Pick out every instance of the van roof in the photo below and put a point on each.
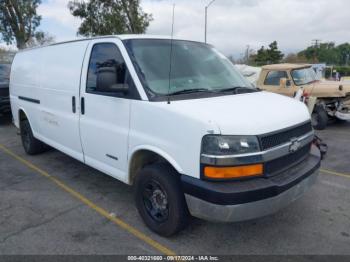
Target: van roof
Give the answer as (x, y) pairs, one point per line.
(285, 66)
(121, 37)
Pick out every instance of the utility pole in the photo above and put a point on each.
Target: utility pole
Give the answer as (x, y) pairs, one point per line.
(247, 54)
(206, 20)
(316, 43)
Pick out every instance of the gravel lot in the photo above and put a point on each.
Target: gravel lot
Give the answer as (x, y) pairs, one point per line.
(40, 216)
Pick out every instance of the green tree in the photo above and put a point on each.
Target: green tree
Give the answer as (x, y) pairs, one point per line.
(270, 55)
(108, 17)
(18, 21)
(344, 54)
(328, 53)
(41, 38)
(274, 55)
(261, 56)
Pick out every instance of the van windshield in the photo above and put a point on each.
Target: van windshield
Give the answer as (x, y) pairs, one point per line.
(194, 67)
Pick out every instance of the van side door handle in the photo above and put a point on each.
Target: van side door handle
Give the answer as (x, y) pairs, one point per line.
(74, 106)
(82, 106)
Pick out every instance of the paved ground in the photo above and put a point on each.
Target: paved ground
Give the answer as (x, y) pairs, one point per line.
(37, 216)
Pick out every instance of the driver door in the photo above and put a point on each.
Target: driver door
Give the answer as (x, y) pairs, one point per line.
(104, 120)
(272, 83)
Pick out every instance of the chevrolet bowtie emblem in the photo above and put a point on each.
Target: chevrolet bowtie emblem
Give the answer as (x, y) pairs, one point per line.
(295, 145)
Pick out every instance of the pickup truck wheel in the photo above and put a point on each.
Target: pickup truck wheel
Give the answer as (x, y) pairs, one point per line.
(160, 200)
(31, 145)
(319, 118)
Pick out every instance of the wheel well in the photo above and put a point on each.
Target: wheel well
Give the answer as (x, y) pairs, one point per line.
(141, 159)
(22, 115)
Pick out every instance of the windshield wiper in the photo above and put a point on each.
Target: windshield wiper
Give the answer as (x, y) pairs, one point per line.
(189, 91)
(237, 89)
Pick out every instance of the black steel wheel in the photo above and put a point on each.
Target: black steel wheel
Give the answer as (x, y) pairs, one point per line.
(156, 201)
(160, 200)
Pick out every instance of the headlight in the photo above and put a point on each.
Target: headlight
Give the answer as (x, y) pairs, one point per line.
(218, 145)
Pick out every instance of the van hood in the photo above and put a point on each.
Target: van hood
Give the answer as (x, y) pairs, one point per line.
(328, 89)
(244, 114)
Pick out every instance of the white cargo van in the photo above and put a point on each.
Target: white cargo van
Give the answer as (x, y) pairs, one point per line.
(171, 117)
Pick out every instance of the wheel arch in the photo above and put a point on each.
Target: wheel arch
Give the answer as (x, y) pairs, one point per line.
(22, 115)
(144, 155)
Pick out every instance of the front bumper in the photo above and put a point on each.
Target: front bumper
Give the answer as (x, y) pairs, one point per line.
(342, 116)
(244, 200)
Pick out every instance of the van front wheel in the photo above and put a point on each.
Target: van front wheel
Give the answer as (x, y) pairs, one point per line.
(160, 200)
(31, 145)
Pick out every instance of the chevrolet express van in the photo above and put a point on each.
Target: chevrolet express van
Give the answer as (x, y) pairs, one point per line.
(174, 119)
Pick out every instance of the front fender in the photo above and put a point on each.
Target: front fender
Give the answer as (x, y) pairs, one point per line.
(159, 152)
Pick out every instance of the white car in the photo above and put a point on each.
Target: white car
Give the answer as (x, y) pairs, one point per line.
(173, 118)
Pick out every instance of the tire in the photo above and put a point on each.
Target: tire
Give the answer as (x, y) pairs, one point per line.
(319, 118)
(160, 200)
(31, 145)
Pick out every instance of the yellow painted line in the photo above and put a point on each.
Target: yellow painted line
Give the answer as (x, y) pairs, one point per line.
(101, 211)
(330, 172)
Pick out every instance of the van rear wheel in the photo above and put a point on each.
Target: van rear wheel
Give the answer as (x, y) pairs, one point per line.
(160, 200)
(31, 145)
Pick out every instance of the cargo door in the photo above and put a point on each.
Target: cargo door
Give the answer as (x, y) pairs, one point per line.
(59, 94)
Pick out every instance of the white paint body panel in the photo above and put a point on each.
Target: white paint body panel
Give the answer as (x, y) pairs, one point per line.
(121, 127)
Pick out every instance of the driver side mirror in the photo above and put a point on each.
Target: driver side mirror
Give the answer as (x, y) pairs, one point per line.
(284, 82)
(107, 81)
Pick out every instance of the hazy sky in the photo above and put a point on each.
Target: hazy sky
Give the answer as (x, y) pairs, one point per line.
(232, 24)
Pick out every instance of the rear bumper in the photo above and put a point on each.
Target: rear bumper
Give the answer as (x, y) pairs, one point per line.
(243, 200)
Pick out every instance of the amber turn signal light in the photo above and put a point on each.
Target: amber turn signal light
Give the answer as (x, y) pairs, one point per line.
(233, 172)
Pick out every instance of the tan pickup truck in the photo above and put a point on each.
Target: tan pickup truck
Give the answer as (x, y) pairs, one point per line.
(332, 98)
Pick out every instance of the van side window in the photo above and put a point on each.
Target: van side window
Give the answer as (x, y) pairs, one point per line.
(106, 61)
(273, 78)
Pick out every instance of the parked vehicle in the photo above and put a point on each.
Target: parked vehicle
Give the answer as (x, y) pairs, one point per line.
(332, 98)
(251, 73)
(4, 89)
(174, 119)
(345, 79)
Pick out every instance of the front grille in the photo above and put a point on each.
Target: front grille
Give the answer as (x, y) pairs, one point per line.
(280, 164)
(281, 137)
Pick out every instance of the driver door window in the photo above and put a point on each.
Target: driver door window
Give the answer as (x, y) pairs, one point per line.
(107, 62)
